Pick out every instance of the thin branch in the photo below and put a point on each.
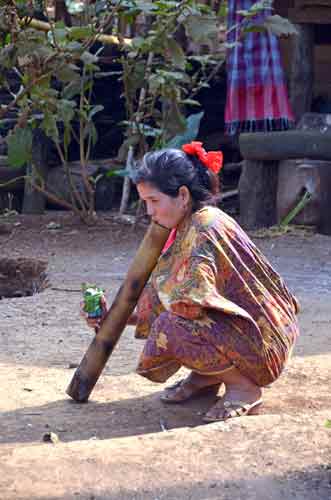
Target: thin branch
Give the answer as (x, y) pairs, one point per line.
(86, 181)
(74, 193)
(126, 183)
(53, 198)
(98, 36)
(5, 184)
(208, 79)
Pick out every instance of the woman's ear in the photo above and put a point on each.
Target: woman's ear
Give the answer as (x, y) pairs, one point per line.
(185, 195)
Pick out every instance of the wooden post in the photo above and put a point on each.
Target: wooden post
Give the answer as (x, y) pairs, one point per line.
(258, 194)
(302, 74)
(324, 226)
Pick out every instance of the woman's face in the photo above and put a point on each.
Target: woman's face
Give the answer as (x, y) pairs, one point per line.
(163, 209)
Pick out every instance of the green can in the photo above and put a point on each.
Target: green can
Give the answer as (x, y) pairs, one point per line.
(92, 300)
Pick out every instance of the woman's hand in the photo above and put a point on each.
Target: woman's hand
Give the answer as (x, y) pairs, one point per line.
(95, 323)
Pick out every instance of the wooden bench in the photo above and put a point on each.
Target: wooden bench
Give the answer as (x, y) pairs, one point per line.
(258, 184)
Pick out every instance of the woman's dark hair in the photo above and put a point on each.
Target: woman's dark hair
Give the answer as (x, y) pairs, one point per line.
(169, 169)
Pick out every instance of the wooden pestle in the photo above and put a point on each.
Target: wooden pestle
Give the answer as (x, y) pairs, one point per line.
(122, 307)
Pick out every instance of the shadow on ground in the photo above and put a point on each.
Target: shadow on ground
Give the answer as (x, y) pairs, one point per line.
(310, 484)
(134, 416)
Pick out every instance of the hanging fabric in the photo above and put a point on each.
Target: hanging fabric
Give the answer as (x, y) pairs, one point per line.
(257, 97)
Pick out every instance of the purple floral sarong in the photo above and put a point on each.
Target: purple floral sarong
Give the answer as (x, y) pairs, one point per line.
(214, 302)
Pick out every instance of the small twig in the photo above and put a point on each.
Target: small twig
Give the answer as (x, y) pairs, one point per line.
(76, 201)
(53, 198)
(229, 194)
(82, 153)
(58, 289)
(106, 39)
(12, 181)
(126, 183)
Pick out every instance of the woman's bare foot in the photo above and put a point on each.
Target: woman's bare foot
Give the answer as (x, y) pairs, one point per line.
(190, 387)
(242, 397)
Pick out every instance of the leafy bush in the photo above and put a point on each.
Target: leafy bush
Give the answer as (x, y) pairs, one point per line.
(57, 65)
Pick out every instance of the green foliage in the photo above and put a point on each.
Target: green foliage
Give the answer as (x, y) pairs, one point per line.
(159, 77)
(37, 57)
(75, 7)
(176, 53)
(19, 147)
(256, 8)
(192, 125)
(57, 70)
(190, 134)
(274, 24)
(223, 9)
(201, 28)
(279, 26)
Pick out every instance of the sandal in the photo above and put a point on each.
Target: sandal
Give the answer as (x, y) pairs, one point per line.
(234, 409)
(183, 390)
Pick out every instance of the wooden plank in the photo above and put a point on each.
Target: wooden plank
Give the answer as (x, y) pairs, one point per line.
(312, 3)
(282, 8)
(282, 145)
(302, 70)
(322, 80)
(316, 15)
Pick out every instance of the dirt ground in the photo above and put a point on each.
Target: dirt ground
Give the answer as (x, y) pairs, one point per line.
(125, 444)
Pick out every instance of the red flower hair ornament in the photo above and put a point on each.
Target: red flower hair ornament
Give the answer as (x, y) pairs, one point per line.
(213, 160)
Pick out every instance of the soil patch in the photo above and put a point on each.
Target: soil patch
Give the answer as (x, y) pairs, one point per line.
(125, 444)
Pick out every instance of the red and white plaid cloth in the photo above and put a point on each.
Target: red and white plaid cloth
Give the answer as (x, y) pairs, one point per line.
(257, 98)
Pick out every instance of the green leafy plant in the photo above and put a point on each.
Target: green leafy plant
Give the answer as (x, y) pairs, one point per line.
(274, 24)
(162, 67)
(190, 133)
(56, 68)
(160, 76)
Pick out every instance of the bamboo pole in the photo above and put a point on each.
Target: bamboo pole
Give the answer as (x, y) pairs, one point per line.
(105, 39)
(123, 305)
